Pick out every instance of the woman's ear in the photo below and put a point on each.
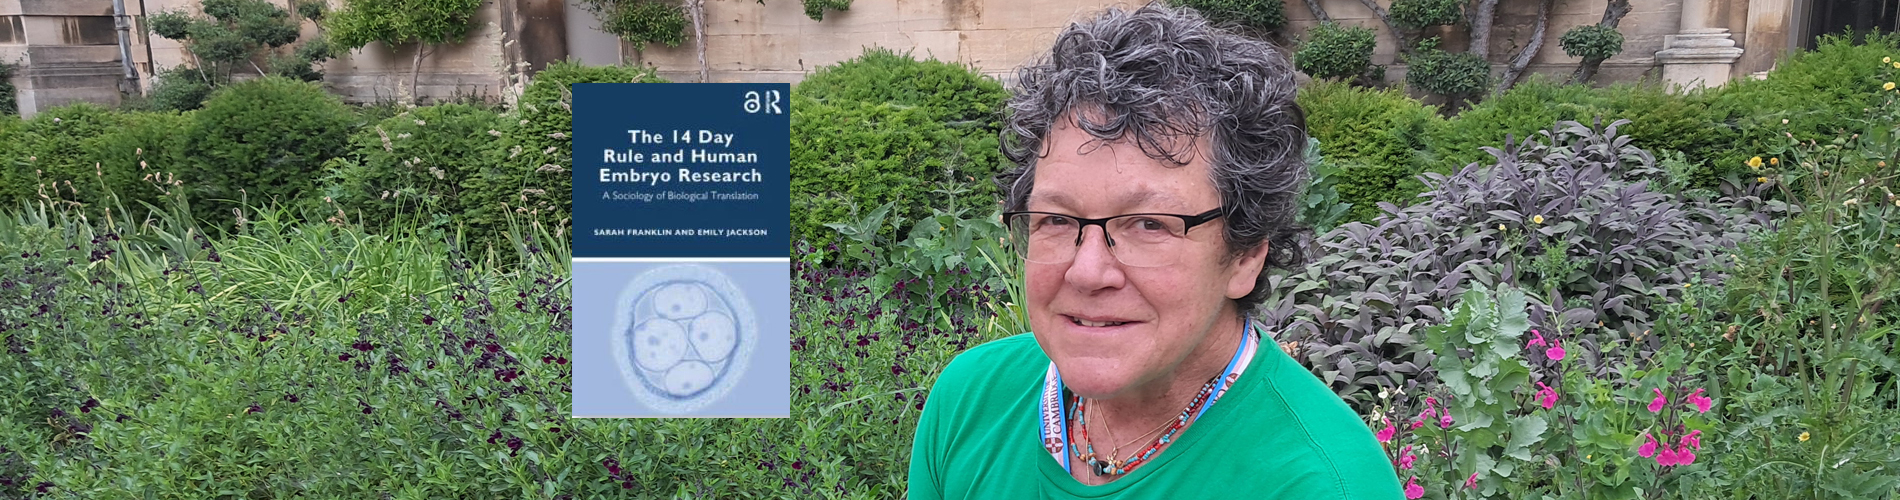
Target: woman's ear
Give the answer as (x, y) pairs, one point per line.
(1246, 271)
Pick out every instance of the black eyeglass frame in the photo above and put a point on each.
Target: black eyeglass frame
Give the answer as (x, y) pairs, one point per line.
(1190, 221)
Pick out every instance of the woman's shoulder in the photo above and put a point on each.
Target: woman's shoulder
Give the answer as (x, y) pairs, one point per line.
(1009, 358)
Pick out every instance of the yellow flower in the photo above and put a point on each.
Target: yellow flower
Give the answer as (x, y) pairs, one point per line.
(1804, 436)
(1537, 219)
(1774, 161)
(1754, 162)
(1501, 226)
(1761, 179)
(1896, 65)
(1888, 86)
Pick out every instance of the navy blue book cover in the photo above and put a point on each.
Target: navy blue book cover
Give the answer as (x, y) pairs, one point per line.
(681, 239)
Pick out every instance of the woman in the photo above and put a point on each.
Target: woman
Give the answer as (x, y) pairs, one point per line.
(1157, 164)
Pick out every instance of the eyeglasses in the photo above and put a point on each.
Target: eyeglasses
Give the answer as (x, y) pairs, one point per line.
(1136, 240)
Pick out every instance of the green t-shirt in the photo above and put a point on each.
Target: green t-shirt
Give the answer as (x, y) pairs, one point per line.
(1278, 433)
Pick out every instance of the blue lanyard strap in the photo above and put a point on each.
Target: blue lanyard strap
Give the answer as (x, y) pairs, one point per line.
(1054, 431)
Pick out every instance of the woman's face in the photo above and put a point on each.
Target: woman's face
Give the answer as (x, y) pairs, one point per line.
(1110, 327)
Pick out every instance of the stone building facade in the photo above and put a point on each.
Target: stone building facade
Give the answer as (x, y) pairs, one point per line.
(69, 50)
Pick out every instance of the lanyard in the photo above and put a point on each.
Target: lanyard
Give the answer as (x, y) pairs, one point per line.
(1055, 408)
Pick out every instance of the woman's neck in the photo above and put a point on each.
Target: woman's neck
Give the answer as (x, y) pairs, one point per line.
(1126, 416)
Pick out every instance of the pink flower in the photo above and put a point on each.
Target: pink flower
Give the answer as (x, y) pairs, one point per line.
(1648, 448)
(1472, 482)
(1538, 341)
(1546, 396)
(1692, 439)
(1555, 352)
(1444, 422)
(1418, 423)
(1385, 435)
(1702, 403)
(1405, 461)
(1657, 404)
(1685, 457)
(1666, 458)
(1412, 490)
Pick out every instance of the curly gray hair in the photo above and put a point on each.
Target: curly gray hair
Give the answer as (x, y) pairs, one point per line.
(1161, 74)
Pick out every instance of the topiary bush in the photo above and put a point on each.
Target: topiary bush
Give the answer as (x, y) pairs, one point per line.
(1416, 14)
(1336, 52)
(1592, 41)
(1375, 138)
(1251, 15)
(1447, 73)
(408, 170)
(884, 128)
(143, 152)
(527, 176)
(1559, 216)
(640, 21)
(261, 141)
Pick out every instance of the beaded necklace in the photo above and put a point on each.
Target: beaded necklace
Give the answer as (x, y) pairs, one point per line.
(1055, 408)
(1115, 467)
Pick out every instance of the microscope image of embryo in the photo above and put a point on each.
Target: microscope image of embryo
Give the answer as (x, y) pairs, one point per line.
(683, 334)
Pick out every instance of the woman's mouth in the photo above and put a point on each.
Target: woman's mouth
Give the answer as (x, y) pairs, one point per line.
(1095, 324)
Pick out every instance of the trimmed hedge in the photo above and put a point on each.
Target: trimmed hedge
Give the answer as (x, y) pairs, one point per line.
(259, 142)
(1377, 138)
(409, 169)
(883, 128)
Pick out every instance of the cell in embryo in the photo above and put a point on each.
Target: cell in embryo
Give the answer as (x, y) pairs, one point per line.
(685, 333)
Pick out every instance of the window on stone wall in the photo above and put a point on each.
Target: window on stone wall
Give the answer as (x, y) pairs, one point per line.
(12, 32)
(88, 30)
(1858, 17)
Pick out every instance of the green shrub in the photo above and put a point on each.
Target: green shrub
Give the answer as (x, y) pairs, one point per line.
(1818, 93)
(143, 144)
(261, 141)
(1254, 15)
(409, 170)
(1374, 138)
(948, 91)
(182, 89)
(1415, 14)
(527, 176)
(1592, 41)
(885, 128)
(9, 96)
(1334, 51)
(51, 149)
(1447, 73)
(640, 21)
(1532, 105)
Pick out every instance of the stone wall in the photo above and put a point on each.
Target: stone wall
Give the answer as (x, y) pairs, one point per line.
(775, 42)
(66, 50)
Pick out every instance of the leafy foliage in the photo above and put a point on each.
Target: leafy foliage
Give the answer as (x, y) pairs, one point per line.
(1416, 14)
(398, 22)
(1353, 312)
(9, 95)
(641, 21)
(1592, 41)
(815, 9)
(1447, 73)
(261, 141)
(1375, 139)
(527, 178)
(1320, 207)
(234, 32)
(1334, 51)
(1256, 16)
(1818, 93)
(182, 89)
(883, 128)
(409, 170)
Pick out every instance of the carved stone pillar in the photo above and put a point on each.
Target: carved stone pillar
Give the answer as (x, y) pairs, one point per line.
(1699, 54)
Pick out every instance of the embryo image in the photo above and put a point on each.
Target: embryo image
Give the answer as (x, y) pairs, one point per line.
(682, 336)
